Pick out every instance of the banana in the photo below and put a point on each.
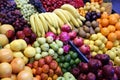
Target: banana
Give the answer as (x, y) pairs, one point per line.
(43, 22)
(52, 28)
(82, 18)
(60, 22)
(71, 9)
(73, 19)
(80, 22)
(32, 18)
(71, 24)
(58, 30)
(39, 25)
(59, 13)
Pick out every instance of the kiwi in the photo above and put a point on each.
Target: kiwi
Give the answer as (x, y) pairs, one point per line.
(88, 23)
(94, 24)
(86, 29)
(82, 33)
(97, 29)
(92, 30)
(87, 35)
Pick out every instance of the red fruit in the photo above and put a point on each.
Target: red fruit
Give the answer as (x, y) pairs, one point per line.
(53, 65)
(82, 77)
(30, 65)
(10, 33)
(48, 59)
(76, 72)
(45, 68)
(66, 28)
(38, 71)
(78, 41)
(44, 76)
(85, 49)
(72, 34)
(27, 31)
(58, 71)
(35, 64)
(91, 76)
(83, 67)
(51, 72)
(20, 35)
(41, 62)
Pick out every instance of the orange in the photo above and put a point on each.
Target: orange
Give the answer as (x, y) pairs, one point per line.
(104, 22)
(99, 20)
(116, 15)
(111, 28)
(55, 76)
(112, 36)
(112, 19)
(100, 26)
(117, 25)
(118, 34)
(109, 45)
(105, 31)
(104, 15)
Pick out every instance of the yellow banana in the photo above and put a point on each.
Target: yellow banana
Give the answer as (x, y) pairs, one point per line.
(82, 18)
(32, 22)
(45, 26)
(71, 9)
(40, 26)
(72, 24)
(73, 19)
(59, 13)
(80, 22)
(58, 30)
(52, 28)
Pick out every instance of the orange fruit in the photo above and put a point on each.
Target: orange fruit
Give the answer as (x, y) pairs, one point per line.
(55, 76)
(104, 22)
(118, 34)
(117, 25)
(105, 31)
(104, 15)
(112, 19)
(111, 28)
(100, 26)
(45, 68)
(116, 15)
(112, 36)
(109, 45)
(99, 20)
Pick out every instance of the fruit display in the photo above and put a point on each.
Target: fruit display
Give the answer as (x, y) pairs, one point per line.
(45, 69)
(53, 21)
(68, 61)
(98, 68)
(88, 7)
(58, 40)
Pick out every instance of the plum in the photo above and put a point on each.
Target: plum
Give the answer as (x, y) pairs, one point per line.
(100, 74)
(82, 77)
(91, 76)
(108, 71)
(117, 71)
(83, 67)
(75, 72)
(105, 59)
(115, 77)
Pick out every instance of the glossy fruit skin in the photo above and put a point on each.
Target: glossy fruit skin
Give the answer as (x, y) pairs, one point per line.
(78, 41)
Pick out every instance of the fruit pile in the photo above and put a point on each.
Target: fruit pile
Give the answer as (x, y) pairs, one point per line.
(63, 44)
(99, 67)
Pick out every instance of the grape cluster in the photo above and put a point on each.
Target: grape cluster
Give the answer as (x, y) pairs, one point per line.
(38, 5)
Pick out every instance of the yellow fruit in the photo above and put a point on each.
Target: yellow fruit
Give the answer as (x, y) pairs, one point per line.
(94, 54)
(3, 40)
(15, 45)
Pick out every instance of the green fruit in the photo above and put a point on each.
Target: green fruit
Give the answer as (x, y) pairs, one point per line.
(60, 51)
(72, 62)
(59, 43)
(74, 66)
(38, 50)
(51, 52)
(44, 54)
(45, 47)
(68, 58)
(68, 76)
(62, 58)
(71, 52)
(58, 60)
(38, 56)
(61, 64)
(60, 78)
(54, 46)
(55, 56)
(49, 39)
(74, 55)
(69, 68)
(36, 44)
(66, 65)
(64, 70)
(41, 40)
(77, 61)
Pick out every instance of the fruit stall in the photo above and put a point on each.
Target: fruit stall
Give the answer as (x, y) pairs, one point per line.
(59, 40)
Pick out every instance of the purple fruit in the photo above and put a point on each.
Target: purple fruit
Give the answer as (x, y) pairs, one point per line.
(117, 71)
(91, 76)
(105, 59)
(75, 72)
(115, 77)
(82, 77)
(100, 74)
(83, 67)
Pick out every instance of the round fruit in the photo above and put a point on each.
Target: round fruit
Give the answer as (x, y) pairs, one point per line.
(111, 28)
(117, 25)
(112, 36)
(118, 34)
(105, 31)
(109, 45)
(104, 22)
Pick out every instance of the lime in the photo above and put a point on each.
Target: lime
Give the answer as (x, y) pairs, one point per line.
(74, 55)
(58, 60)
(62, 59)
(77, 61)
(71, 52)
(66, 65)
(64, 70)
(61, 64)
(72, 62)
(69, 68)
(68, 58)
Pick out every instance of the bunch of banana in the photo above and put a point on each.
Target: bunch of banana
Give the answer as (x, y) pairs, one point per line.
(53, 21)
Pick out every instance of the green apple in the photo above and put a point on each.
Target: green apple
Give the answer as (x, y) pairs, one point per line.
(51, 52)
(60, 51)
(45, 47)
(102, 46)
(59, 43)
(43, 54)
(49, 39)
(41, 40)
(96, 48)
(117, 61)
(116, 43)
(38, 56)
(36, 44)
(38, 50)
(93, 37)
(111, 54)
(86, 41)
(94, 54)
(98, 42)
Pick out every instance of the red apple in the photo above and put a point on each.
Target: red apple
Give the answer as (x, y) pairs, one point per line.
(27, 31)
(72, 34)
(85, 49)
(20, 35)
(10, 33)
(41, 62)
(78, 41)
(66, 28)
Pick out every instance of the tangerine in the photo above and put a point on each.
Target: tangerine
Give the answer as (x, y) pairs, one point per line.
(109, 45)
(111, 28)
(118, 34)
(117, 25)
(112, 36)
(104, 15)
(116, 15)
(104, 22)
(112, 19)
(105, 31)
